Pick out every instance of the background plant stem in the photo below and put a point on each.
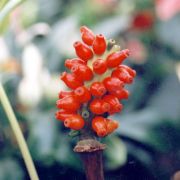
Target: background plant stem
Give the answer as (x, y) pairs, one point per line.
(18, 134)
(8, 7)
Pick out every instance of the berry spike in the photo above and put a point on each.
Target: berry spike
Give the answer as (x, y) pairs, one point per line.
(96, 83)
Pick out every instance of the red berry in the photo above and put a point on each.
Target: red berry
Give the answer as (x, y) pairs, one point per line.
(87, 35)
(99, 66)
(115, 105)
(111, 125)
(68, 103)
(143, 20)
(121, 94)
(71, 80)
(123, 75)
(75, 122)
(99, 44)
(128, 69)
(116, 58)
(70, 62)
(62, 114)
(97, 89)
(63, 94)
(83, 51)
(98, 106)
(82, 72)
(99, 126)
(82, 93)
(113, 84)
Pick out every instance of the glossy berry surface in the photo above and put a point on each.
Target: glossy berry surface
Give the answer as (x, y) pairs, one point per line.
(97, 81)
(99, 44)
(97, 89)
(99, 66)
(87, 35)
(75, 122)
(99, 126)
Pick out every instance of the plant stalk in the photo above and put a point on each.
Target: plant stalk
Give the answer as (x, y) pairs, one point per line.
(93, 165)
(90, 151)
(18, 134)
(8, 7)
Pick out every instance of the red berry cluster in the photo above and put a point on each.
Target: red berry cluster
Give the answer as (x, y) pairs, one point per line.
(96, 79)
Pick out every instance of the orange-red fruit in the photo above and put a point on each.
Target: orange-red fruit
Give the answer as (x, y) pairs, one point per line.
(128, 69)
(68, 103)
(70, 62)
(116, 58)
(99, 44)
(87, 35)
(97, 89)
(83, 51)
(99, 66)
(82, 72)
(115, 105)
(99, 126)
(143, 20)
(121, 94)
(98, 106)
(71, 80)
(62, 114)
(82, 93)
(111, 125)
(123, 75)
(75, 122)
(63, 94)
(113, 84)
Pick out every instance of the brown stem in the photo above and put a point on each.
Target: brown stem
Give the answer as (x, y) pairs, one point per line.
(90, 151)
(93, 165)
(91, 154)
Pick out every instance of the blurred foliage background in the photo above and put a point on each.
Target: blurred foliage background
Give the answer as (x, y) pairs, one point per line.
(36, 38)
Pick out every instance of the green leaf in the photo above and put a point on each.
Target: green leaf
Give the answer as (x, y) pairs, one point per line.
(116, 152)
(10, 169)
(136, 125)
(8, 8)
(64, 154)
(42, 136)
(74, 133)
(3, 3)
(4, 24)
